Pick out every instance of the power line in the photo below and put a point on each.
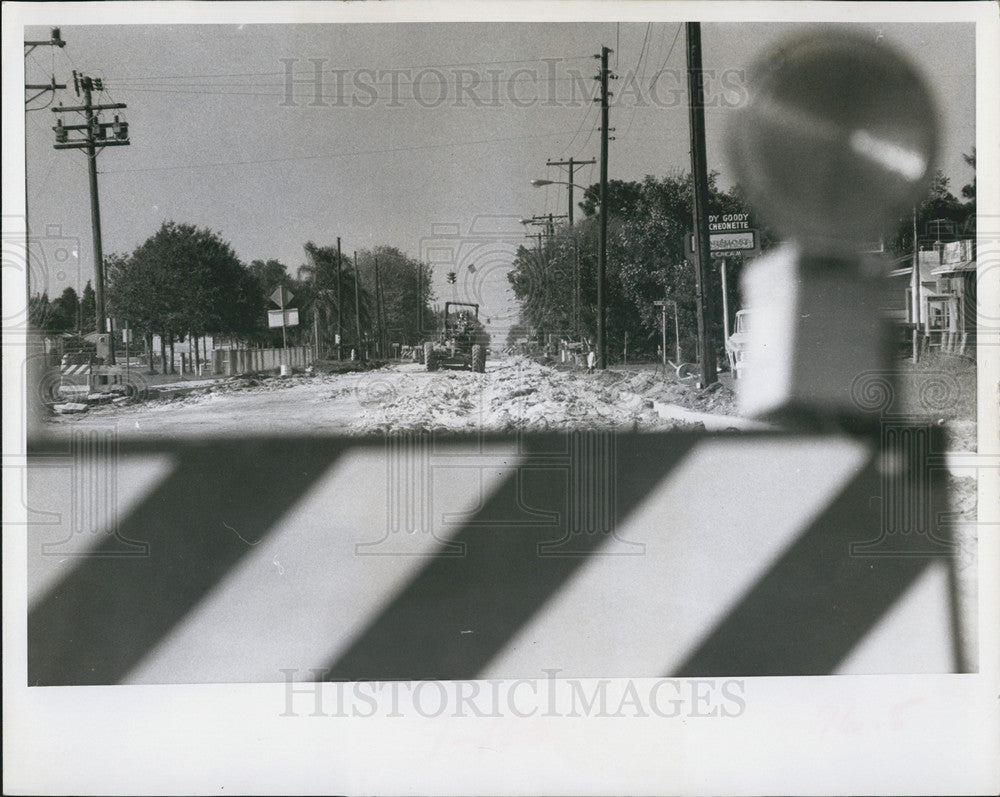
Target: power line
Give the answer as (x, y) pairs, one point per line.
(137, 85)
(583, 121)
(120, 79)
(635, 74)
(642, 50)
(667, 58)
(205, 90)
(333, 154)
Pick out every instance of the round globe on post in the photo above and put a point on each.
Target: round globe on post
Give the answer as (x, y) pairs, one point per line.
(838, 141)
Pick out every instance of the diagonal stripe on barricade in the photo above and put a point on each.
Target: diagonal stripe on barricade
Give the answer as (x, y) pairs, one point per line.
(102, 617)
(457, 613)
(807, 613)
(636, 544)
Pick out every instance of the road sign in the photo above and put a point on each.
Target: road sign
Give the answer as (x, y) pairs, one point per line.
(288, 318)
(728, 222)
(728, 243)
(281, 296)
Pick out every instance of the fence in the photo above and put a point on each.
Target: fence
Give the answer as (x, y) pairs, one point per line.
(245, 361)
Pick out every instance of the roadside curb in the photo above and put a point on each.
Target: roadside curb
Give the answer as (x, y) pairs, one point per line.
(675, 412)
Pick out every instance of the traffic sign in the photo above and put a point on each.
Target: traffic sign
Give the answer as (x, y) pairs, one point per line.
(282, 296)
(288, 318)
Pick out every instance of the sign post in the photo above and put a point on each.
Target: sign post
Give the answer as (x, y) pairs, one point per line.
(663, 330)
(281, 297)
(127, 337)
(725, 300)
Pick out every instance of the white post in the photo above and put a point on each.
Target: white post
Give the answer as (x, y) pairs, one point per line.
(725, 303)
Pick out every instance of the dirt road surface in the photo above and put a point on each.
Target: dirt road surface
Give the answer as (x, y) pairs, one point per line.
(513, 393)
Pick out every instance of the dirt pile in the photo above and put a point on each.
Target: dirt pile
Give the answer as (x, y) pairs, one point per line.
(514, 394)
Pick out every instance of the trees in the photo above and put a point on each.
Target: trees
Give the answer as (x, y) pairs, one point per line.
(317, 280)
(405, 293)
(88, 308)
(39, 307)
(61, 314)
(64, 312)
(940, 216)
(184, 281)
(187, 281)
(648, 220)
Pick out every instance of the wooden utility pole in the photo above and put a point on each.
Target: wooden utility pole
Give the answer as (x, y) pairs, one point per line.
(357, 305)
(663, 331)
(699, 174)
(379, 331)
(915, 291)
(340, 307)
(602, 251)
(315, 320)
(677, 333)
(577, 292)
(54, 40)
(96, 136)
(573, 166)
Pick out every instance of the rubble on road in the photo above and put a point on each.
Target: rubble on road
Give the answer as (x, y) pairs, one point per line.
(69, 407)
(517, 393)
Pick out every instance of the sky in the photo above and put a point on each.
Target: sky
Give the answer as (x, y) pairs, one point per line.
(425, 136)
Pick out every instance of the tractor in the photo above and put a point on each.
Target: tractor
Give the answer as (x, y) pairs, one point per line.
(460, 343)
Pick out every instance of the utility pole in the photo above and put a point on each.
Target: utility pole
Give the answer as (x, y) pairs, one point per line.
(915, 290)
(357, 304)
(573, 166)
(577, 290)
(315, 317)
(699, 174)
(96, 139)
(602, 251)
(547, 221)
(379, 330)
(677, 333)
(340, 307)
(55, 40)
(663, 330)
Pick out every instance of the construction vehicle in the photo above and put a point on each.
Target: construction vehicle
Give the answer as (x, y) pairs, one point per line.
(460, 343)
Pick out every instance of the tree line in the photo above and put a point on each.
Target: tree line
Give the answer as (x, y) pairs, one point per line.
(555, 279)
(187, 283)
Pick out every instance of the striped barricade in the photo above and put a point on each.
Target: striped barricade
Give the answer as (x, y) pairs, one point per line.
(416, 556)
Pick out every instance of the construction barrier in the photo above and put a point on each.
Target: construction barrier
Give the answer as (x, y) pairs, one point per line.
(414, 556)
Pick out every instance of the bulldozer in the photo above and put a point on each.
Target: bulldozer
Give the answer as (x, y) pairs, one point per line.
(459, 344)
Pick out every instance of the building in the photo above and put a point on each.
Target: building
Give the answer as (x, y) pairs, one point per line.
(944, 309)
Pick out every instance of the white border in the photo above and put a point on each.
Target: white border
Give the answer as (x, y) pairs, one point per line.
(874, 735)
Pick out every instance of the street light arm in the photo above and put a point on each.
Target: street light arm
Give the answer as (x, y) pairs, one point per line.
(539, 183)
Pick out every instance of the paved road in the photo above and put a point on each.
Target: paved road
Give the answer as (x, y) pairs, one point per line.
(330, 403)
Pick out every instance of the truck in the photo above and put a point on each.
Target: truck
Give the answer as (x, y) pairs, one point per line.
(460, 344)
(736, 344)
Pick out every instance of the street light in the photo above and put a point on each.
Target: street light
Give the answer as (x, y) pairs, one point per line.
(537, 183)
